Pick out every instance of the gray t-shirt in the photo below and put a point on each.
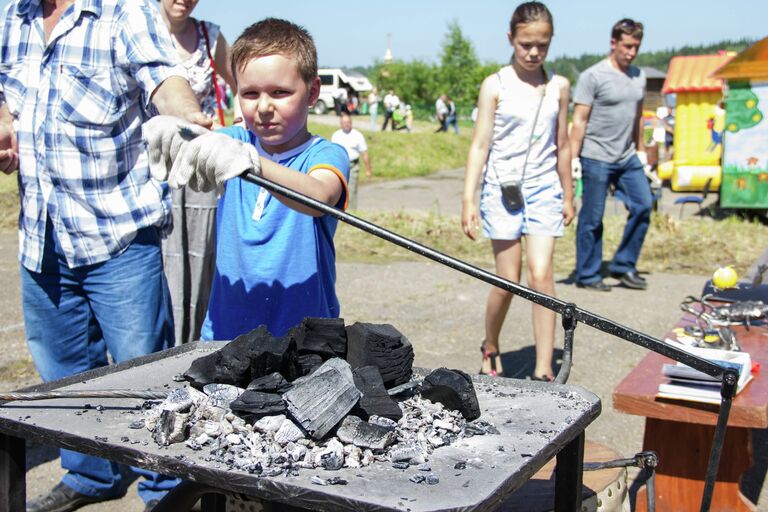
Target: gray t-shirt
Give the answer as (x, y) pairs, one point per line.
(613, 96)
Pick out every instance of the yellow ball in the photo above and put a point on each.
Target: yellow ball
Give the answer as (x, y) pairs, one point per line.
(725, 277)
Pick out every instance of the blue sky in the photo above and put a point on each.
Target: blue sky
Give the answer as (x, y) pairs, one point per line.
(353, 33)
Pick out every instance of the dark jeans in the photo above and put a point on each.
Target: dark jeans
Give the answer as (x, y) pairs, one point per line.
(387, 117)
(73, 316)
(629, 178)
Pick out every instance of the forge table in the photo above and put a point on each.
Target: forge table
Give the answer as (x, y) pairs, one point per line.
(537, 421)
(681, 432)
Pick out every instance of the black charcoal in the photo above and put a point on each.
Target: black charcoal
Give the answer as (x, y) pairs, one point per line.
(244, 359)
(272, 383)
(453, 389)
(308, 363)
(325, 337)
(318, 402)
(375, 401)
(382, 346)
(252, 405)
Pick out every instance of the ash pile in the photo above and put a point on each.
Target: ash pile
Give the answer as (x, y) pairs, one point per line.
(325, 396)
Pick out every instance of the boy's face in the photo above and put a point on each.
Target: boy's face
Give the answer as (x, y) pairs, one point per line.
(275, 101)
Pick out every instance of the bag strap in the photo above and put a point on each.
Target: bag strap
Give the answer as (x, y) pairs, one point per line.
(535, 120)
(213, 73)
(533, 130)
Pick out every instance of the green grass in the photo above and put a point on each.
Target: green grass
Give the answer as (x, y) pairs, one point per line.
(691, 246)
(397, 155)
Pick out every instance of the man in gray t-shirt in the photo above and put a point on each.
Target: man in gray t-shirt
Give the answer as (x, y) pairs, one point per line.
(607, 143)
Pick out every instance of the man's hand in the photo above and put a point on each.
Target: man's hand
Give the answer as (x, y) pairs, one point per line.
(164, 136)
(201, 119)
(210, 160)
(643, 157)
(9, 151)
(576, 169)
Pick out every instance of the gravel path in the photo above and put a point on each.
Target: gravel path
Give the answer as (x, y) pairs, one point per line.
(441, 311)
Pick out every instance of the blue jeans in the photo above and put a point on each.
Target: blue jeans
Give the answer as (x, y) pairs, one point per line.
(73, 316)
(629, 178)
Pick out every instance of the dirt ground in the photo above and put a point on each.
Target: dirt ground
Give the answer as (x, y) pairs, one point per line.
(441, 311)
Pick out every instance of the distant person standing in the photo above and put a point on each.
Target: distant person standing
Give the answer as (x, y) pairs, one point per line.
(373, 107)
(669, 133)
(451, 119)
(521, 134)
(354, 142)
(391, 102)
(607, 144)
(441, 112)
(189, 249)
(340, 100)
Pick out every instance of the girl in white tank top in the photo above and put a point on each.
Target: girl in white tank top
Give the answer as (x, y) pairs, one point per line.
(507, 125)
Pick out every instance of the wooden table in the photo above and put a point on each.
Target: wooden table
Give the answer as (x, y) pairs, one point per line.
(537, 422)
(681, 432)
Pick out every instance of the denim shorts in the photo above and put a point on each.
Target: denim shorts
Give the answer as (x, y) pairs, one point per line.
(541, 216)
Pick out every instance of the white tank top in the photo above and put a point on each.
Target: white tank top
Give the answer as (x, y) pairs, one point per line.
(515, 111)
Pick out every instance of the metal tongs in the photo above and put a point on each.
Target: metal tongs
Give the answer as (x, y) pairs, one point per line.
(705, 324)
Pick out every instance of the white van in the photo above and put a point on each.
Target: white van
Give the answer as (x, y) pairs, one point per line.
(333, 79)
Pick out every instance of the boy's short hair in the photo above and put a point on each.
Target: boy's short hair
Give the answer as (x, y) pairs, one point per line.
(627, 27)
(272, 36)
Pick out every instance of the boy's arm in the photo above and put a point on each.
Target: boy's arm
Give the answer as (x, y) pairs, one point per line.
(323, 183)
(367, 162)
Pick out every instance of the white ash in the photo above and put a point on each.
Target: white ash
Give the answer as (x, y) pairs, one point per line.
(276, 445)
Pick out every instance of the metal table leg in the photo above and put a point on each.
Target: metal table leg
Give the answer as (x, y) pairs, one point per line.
(213, 502)
(568, 473)
(13, 483)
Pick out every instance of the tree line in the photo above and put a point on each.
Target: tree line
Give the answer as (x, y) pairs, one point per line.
(458, 71)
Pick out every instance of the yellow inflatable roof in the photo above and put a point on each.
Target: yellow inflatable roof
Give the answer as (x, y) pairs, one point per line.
(691, 73)
(751, 63)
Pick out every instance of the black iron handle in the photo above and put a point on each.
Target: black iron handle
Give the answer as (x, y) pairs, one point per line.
(559, 306)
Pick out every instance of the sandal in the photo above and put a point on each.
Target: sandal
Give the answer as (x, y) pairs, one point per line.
(544, 378)
(491, 363)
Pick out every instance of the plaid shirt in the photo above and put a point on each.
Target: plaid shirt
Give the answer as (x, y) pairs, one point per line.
(78, 104)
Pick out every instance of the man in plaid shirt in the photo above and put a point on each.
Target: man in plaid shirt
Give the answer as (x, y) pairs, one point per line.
(77, 78)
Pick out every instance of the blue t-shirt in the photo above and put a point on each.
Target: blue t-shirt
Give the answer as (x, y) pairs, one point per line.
(274, 265)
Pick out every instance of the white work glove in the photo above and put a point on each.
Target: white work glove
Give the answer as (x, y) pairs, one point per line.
(164, 136)
(210, 160)
(643, 157)
(576, 168)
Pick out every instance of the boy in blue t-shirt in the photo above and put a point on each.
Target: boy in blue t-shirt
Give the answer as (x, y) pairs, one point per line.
(275, 258)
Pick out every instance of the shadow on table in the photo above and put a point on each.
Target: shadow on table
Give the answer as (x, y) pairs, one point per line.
(519, 364)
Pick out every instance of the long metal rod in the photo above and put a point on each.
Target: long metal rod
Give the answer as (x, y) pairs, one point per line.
(730, 379)
(570, 312)
(557, 305)
(103, 393)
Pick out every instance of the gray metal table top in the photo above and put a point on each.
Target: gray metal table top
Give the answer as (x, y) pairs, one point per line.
(536, 420)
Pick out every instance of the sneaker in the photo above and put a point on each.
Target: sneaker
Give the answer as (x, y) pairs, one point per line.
(63, 499)
(598, 286)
